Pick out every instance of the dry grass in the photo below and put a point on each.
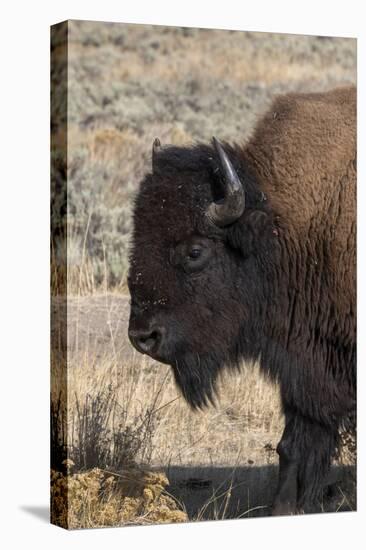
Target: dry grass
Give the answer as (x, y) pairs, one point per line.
(247, 406)
(101, 438)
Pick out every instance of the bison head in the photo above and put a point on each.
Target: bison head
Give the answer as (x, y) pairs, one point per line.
(201, 232)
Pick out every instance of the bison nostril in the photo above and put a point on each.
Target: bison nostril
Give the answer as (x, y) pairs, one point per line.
(149, 342)
(146, 341)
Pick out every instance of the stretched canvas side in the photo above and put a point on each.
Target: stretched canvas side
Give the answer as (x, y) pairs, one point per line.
(58, 252)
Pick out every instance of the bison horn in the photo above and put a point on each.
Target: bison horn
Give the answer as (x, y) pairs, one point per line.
(231, 207)
(155, 148)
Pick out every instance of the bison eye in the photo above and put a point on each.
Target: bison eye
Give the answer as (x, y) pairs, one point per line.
(194, 253)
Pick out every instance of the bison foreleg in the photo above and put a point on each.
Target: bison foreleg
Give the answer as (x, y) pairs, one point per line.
(320, 445)
(305, 450)
(286, 497)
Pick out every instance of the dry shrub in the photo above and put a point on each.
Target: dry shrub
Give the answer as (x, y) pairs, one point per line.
(98, 432)
(99, 498)
(109, 144)
(178, 135)
(103, 437)
(95, 479)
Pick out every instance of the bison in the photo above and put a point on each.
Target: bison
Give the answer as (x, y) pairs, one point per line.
(247, 253)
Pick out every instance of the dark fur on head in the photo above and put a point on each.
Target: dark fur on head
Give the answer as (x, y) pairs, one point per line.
(184, 182)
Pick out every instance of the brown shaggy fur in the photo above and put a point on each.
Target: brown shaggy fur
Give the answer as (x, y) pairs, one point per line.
(303, 154)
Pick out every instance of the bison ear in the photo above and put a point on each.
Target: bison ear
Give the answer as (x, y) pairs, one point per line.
(257, 221)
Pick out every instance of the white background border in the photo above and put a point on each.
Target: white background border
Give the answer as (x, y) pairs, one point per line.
(24, 217)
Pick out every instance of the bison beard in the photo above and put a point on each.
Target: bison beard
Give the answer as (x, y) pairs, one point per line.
(196, 376)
